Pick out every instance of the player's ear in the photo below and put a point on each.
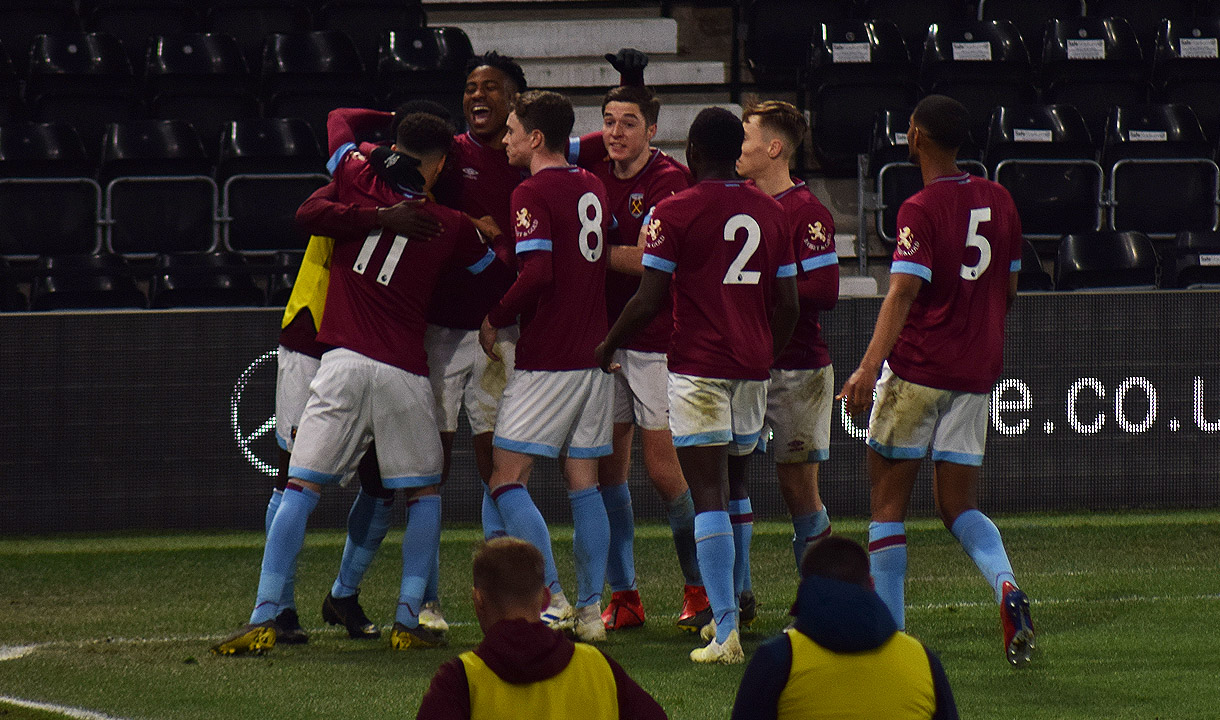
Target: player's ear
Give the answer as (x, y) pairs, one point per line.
(652, 131)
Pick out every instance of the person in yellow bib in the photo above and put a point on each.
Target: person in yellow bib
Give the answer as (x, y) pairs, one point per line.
(843, 657)
(524, 668)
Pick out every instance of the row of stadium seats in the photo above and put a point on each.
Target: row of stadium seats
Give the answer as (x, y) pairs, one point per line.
(87, 79)
(1113, 260)
(155, 189)
(1153, 172)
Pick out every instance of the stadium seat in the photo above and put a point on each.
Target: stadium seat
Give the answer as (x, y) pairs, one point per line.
(267, 168)
(1145, 17)
(1030, 17)
(1106, 259)
(1044, 156)
(982, 64)
(1194, 262)
(160, 196)
(1033, 277)
(249, 22)
(856, 70)
(74, 282)
(22, 20)
(307, 75)
(914, 18)
(83, 79)
(208, 279)
(779, 32)
(12, 107)
(201, 78)
(12, 299)
(1093, 63)
(365, 21)
(1186, 69)
(427, 62)
(50, 202)
(136, 22)
(284, 268)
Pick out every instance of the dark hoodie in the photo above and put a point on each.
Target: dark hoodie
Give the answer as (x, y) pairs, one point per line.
(840, 617)
(518, 652)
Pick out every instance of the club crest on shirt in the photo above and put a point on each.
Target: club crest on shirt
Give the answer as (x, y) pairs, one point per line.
(907, 244)
(635, 203)
(470, 172)
(816, 239)
(526, 224)
(652, 234)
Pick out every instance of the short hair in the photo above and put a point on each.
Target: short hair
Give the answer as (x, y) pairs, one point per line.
(839, 558)
(430, 107)
(944, 120)
(424, 134)
(717, 133)
(508, 571)
(644, 98)
(548, 112)
(779, 116)
(503, 63)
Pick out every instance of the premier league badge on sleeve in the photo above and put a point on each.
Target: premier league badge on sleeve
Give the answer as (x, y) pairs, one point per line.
(635, 203)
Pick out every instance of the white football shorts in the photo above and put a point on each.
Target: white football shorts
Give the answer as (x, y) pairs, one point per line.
(715, 411)
(799, 407)
(907, 417)
(548, 412)
(354, 400)
(641, 389)
(462, 375)
(294, 371)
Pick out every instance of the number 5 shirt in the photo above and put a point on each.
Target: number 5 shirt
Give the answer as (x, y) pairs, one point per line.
(962, 235)
(561, 221)
(724, 242)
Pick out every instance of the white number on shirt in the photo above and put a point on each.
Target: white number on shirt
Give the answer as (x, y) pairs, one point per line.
(590, 226)
(737, 275)
(391, 258)
(973, 239)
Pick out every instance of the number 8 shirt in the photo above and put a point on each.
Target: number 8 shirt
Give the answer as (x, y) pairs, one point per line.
(560, 221)
(962, 235)
(724, 242)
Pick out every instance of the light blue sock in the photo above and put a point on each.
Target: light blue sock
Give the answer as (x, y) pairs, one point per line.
(284, 541)
(590, 544)
(493, 524)
(273, 504)
(806, 530)
(620, 565)
(367, 523)
(432, 591)
(288, 600)
(419, 543)
(522, 520)
(981, 540)
(887, 560)
(714, 543)
(681, 512)
(741, 515)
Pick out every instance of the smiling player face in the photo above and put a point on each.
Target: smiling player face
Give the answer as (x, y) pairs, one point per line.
(486, 101)
(625, 131)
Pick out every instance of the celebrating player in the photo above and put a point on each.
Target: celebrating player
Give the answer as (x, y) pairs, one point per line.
(799, 398)
(556, 401)
(725, 247)
(938, 346)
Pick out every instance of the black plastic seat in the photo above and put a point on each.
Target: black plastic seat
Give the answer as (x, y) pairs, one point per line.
(365, 21)
(201, 78)
(913, 19)
(12, 106)
(856, 70)
(249, 22)
(1194, 262)
(50, 202)
(982, 63)
(1186, 68)
(1030, 16)
(1106, 259)
(267, 169)
(1033, 277)
(12, 299)
(1093, 63)
(1044, 156)
(779, 33)
(84, 282)
(428, 63)
(307, 75)
(84, 79)
(1162, 177)
(210, 279)
(136, 22)
(22, 20)
(160, 195)
(1145, 17)
(284, 268)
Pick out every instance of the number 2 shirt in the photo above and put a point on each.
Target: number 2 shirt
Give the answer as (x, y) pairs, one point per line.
(962, 235)
(724, 242)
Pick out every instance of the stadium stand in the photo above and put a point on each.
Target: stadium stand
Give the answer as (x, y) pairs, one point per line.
(1093, 63)
(365, 21)
(71, 282)
(134, 22)
(306, 75)
(12, 107)
(12, 299)
(1106, 259)
(1145, 17)
(249, 22)
(1033, 276)
(423, 62)
(22, 20)
(1030, 17)
(284, 267)
(1193, 262)
(1186, 68)
(205, 279)
(914, 18)
(778, 34)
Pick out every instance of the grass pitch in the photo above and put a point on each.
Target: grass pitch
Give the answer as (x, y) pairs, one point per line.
(1127, 608)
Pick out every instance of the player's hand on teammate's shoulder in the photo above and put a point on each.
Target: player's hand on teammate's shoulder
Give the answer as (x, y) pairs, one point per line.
(407, 219)
(630, 64)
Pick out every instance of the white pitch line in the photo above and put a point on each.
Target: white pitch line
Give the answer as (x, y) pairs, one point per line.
(67, 710)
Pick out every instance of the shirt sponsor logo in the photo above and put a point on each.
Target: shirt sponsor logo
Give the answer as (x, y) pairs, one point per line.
(526, 224)
(816, 239)
(635, 203)
(907, 244)
(652, 234)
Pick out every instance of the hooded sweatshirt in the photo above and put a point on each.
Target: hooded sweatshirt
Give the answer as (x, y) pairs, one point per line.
(843, 658)
(517, 653)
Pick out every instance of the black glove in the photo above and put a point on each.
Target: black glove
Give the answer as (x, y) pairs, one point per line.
(398, 169)
(630, 64)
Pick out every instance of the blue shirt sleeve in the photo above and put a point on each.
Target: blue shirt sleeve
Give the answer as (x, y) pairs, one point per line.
(764, 680)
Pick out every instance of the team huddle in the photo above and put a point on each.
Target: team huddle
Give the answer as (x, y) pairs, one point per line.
(565, 291)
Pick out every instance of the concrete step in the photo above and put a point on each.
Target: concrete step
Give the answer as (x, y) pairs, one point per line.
(571, 38)
(597, 73)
